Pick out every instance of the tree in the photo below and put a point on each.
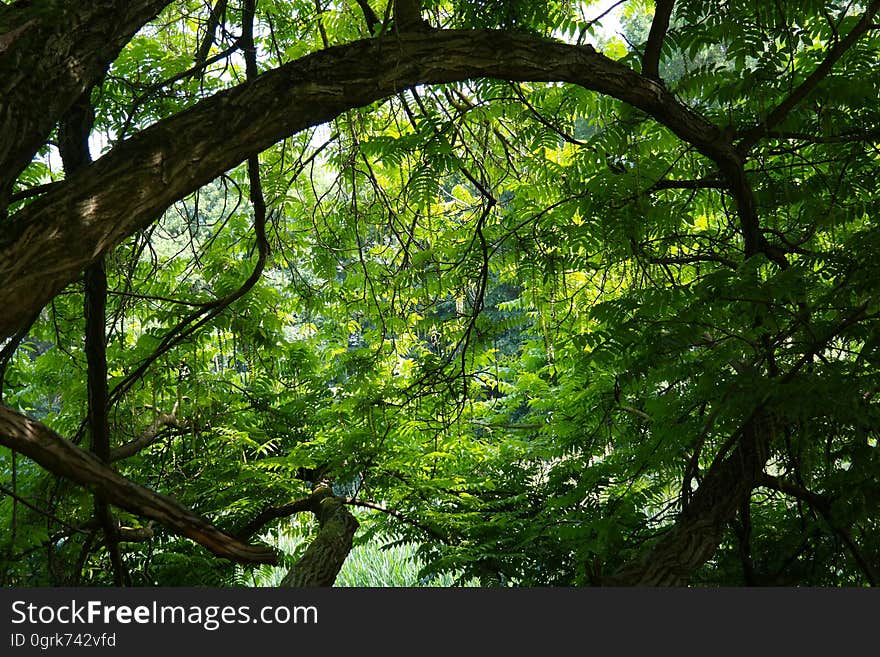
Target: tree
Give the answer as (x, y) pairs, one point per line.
(563, 315)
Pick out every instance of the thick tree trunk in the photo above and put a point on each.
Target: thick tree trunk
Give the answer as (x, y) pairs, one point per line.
(324, 557)
(51, 52)
(695, 536)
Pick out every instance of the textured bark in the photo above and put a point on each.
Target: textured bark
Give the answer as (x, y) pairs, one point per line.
(408, 16)
(47, 244)
(695, 536)
(324, 557)
(65, 459)
(51, 52)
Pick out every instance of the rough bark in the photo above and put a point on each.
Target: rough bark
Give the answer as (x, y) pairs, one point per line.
(65, 459)
(51, 53)
(696, 535)
(324, 557)
(408, 16)
(47, 244)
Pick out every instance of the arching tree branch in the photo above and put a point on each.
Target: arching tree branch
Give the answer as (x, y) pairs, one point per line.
(148, 437)
(76, 222)
(271, 513)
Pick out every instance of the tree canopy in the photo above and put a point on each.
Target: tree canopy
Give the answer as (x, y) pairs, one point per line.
(562, 293)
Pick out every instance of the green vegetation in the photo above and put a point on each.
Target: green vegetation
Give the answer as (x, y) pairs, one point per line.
(532, 315)
(370, 563)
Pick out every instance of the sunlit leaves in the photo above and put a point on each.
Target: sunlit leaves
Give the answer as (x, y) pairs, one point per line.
(517, 315)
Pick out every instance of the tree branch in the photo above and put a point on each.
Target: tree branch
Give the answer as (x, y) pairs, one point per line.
(778, 114)
(271, 513)
(696, 534)
(147, 438)
(126, 534)
(654, 45)
(63, 458)
(370, 16)
(76, 222)
(849, 136)
(33, 507)
(73, 146)
(822, 505)
(217, 12)
(399, 516)
(55, 51)
(408, 16)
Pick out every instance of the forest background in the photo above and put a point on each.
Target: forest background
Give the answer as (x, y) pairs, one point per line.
(524, 299)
